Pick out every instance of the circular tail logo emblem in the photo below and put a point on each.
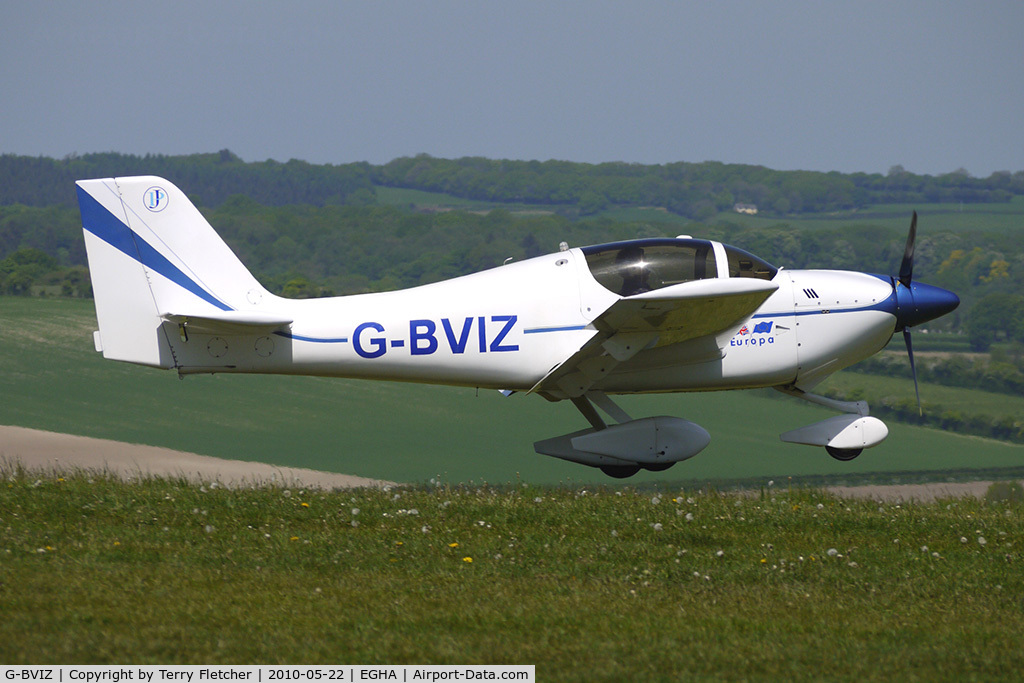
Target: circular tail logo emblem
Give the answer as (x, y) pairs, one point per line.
(155, 199)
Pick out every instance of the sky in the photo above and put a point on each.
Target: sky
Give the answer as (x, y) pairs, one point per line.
(788, 84)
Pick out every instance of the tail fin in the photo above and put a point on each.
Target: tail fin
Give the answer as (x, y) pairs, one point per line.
(154, 258)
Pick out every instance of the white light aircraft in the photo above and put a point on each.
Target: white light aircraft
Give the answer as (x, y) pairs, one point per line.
(650, 315)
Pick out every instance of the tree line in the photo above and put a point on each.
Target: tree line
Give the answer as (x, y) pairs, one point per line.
(210, 178)
(694, 190)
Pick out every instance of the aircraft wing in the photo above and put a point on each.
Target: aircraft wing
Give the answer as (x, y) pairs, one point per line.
(693, 312)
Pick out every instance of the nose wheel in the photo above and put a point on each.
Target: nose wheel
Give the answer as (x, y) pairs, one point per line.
(843, 454)
(620, 471)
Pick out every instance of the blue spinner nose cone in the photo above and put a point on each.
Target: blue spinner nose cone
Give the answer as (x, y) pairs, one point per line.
(920, 303)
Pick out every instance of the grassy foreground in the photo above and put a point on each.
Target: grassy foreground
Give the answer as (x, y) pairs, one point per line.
(588, 584)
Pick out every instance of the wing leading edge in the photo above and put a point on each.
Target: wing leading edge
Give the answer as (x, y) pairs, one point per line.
(691, 314)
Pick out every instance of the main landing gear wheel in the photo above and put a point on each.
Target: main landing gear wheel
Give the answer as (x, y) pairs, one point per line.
(843, 454)
(659, 467)
(620, 471)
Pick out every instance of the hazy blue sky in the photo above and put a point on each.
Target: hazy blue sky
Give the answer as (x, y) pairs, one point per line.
(848, 86)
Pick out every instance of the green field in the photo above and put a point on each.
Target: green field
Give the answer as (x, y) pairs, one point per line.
(997, 218)
(934, 398)
(52, 379)
(588, 584)
(1005, 217)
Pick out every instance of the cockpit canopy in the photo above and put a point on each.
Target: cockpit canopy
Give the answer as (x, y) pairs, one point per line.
(639, 266)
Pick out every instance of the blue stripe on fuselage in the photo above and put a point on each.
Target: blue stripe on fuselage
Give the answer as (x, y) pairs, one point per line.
(567, 328)
(315, 340)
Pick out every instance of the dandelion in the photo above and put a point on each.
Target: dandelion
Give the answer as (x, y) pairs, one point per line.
(355, 511)
(689, 516)
(981, 540)
(286, 493)
(832, 552)
(655, 500)
(656, 526)
(963, 539)
(453, 545)
(305, 505)
(720, 553)
(208, 528)
(467, 560)
(924, 549)
(294, 538)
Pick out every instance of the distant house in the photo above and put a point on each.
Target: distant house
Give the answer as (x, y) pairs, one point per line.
(745, 208)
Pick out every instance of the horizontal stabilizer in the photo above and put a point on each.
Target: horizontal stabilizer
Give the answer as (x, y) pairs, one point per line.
(228, 322)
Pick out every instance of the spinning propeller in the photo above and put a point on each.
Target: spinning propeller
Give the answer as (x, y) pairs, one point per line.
(917, 303)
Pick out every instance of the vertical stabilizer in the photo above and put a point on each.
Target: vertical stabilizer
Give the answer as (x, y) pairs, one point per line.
(152, 256)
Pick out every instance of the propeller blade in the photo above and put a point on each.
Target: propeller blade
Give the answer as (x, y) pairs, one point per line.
(913, 370)
(907, 267)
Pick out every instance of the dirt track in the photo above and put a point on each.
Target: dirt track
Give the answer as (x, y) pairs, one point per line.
(48, 451)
